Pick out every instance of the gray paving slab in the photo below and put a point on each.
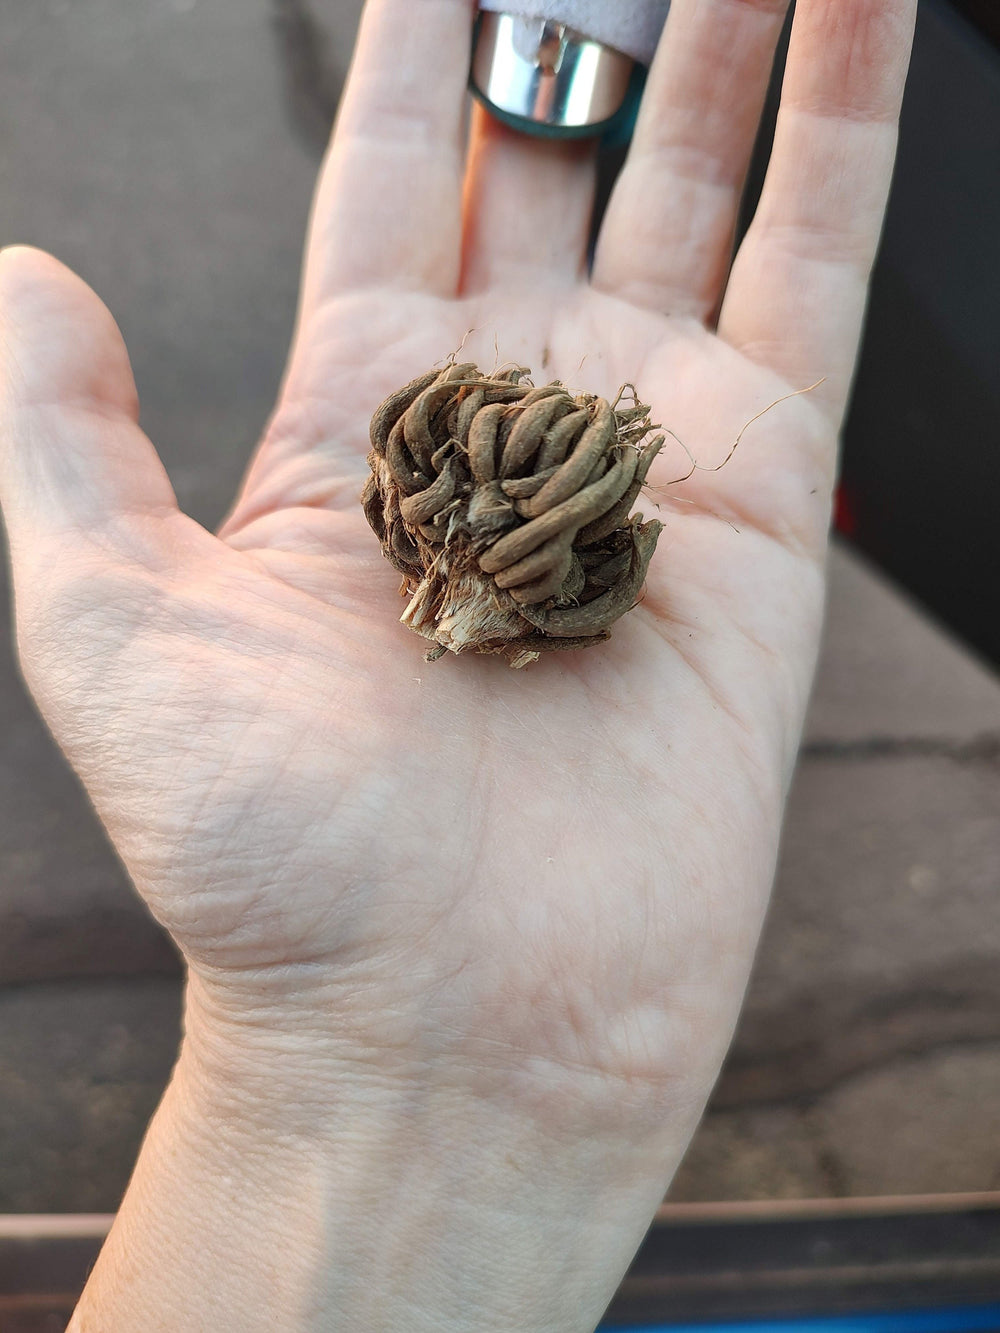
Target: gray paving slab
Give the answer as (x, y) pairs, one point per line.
(889, 872)
(82, 1067)
(868, 1053)
(922, 1124)
(754, 1152)
(888, 673)
(906, 1127)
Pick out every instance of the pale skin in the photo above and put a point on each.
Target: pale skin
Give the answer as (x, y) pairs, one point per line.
(465, 945)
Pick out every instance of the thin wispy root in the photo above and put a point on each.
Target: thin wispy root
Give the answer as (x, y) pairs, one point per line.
(505, 507)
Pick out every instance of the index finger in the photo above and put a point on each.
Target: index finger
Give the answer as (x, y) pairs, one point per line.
(387, 210)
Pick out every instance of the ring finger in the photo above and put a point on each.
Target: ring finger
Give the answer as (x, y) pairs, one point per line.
(528, 204)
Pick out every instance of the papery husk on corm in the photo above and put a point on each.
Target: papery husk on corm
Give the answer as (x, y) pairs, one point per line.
(505, 507)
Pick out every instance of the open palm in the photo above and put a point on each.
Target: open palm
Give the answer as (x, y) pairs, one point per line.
(544, 879)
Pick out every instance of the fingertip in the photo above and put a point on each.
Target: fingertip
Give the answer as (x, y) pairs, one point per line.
(72, 459)
(15, 259)
(34, 285)
(59, 336)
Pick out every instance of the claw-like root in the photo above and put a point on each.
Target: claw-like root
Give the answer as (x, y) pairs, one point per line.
(506, 509)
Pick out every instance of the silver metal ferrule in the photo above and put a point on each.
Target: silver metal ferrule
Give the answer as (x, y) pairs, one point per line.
(548, 73)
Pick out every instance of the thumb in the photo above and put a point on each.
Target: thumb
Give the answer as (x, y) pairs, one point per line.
(74, 464)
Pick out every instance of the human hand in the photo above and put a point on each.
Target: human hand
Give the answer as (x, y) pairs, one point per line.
(459, 936)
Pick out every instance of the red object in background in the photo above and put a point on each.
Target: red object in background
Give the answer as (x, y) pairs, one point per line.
(844, 514)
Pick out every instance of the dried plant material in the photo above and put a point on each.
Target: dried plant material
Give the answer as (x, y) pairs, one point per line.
(505, 507)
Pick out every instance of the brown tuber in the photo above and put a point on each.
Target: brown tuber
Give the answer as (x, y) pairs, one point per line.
(506, 509)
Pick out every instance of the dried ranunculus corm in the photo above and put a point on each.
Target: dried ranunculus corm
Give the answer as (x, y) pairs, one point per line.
(506, 509)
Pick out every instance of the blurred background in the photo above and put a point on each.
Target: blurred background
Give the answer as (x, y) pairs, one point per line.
(166, 150)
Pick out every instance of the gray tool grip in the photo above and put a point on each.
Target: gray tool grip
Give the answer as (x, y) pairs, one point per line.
(632, 26)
